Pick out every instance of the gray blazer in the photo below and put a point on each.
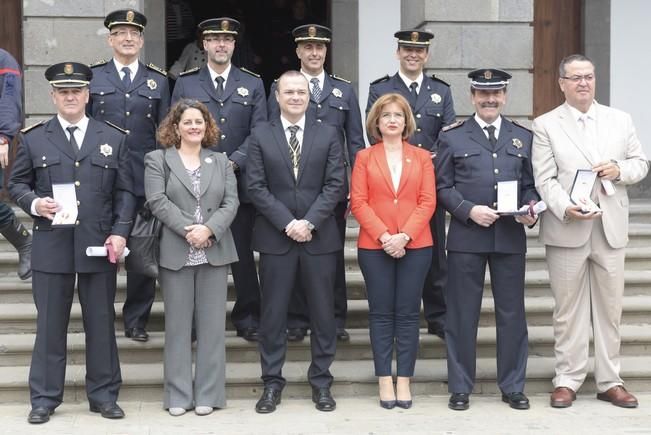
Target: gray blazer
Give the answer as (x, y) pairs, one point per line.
(175, 205)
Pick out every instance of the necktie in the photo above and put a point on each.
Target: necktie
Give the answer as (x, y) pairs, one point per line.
(491, 134)
(316, 89)
(71, 129)
(126, 80)
(294, 148)
(219, 87)
(412, 93)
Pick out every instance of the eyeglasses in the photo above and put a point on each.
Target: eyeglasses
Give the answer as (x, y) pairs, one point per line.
(392, 115)
(224, 39)
(577, 79)
(134, 34)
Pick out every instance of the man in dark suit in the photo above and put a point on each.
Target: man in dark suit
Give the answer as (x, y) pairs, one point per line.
(89, 159)
(136, 98)
(236, 99)
(474, 157)
(295, 179)
(333, 101)
(431, 102)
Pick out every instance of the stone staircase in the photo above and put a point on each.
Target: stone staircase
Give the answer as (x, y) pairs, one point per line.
(142, 368)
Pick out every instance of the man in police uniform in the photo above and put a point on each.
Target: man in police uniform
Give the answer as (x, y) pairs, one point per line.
(10, 120)
(333, 101)
(91, 159)
(431, 102)
(473, 157)
(236, 99)
(134, 97)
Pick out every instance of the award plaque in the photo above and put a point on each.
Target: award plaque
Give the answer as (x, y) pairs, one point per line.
(66, 197)
(582, 186)
(507, 198)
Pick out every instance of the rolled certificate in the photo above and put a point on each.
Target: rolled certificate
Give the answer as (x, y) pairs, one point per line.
(100, 251)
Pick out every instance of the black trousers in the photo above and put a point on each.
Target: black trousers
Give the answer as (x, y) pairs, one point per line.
(53, 294)
(278, 277)
(434, 286)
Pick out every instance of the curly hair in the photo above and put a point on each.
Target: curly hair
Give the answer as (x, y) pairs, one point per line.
(166, 134)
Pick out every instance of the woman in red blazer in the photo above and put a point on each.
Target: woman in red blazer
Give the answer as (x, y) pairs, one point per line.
(393, 198)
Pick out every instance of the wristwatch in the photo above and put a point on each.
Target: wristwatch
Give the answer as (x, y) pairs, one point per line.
(310, 225)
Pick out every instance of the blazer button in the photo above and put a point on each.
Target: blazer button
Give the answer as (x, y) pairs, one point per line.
(420, 145)
(45, 165)
(318, 106)
(127, 95)
(497, 171)
(494, 155)
(395, 201)
(77, 164)
(418, 115)
(222, 120)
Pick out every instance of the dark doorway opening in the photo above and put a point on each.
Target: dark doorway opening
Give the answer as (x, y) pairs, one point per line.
(265, 44)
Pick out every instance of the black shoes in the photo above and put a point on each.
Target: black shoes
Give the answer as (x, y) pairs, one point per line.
(342, 334)
(269, 400)
(404, 404)
(296, 334)
(136, 334)
(249, 334)
(39, 415)
(388, 404)
(323, 399)
(516, 400)
(108, 410)
(436, 329)
(459, 401)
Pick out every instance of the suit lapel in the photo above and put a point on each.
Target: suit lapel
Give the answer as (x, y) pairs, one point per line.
(408, 159)
(377, 151)
(571, 129)
(477, 134)
(177, 168)
(208, 168)
(206, 82)
(311, 131)
(400, 87)
(281, 143)
(91, 139)
(423, 94)
(603, 128)
(59, 139)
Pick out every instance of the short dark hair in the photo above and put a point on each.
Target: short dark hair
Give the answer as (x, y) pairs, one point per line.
(569, 59)
(166, 134)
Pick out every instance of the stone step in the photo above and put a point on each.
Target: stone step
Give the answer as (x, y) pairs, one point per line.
(144, 382)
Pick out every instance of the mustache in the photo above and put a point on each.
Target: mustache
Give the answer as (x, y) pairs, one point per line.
(491, 105)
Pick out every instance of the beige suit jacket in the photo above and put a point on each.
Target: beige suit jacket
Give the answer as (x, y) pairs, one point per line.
(174, 204)
(559, 150)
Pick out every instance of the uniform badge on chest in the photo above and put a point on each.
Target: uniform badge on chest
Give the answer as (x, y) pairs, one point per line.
(337, 92)
(242, 91)
(106, 150)
(151, 84)
(436, 98)
(517, 143)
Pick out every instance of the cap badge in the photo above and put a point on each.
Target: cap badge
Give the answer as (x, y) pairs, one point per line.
(130, 16)
(225, 25)
(311, 31)
(151, 84)
(106, 150)
(68, 69)
(242, 91)
(517, 142)
(436, 98)
(414, 36)
(488, 75)
(337, 92)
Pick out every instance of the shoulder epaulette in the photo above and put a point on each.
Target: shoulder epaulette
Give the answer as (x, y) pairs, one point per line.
(190, 71)
(453, 125)
(116, 127)
(157, 69)
(99, 63)
(341, 79)
(439, 80)
(381, 79)
(26, 129)
(250, 72)
(519, 125)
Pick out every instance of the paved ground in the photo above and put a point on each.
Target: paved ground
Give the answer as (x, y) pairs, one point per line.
(430, 415)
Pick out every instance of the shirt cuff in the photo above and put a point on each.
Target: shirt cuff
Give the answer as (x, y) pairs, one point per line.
(32, 208)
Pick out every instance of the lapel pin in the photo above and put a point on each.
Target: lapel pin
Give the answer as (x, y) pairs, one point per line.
(208, 160)
(517, 143)
(408, 160)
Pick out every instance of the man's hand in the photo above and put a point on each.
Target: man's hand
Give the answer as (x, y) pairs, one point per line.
(46, 207)
(298, 231)
(4, 153)
(198, 236)
(483, 215)
(607, 170)
(574, 212)
(118, 243)
(526, 219)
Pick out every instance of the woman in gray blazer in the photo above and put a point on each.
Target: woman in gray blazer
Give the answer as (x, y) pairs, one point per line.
(193, 192)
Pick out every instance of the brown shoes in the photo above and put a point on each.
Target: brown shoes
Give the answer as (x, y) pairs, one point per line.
(562, 397)
(618, 396)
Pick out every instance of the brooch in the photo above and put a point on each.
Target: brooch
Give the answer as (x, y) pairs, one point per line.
(436, 98)
(337, 92)
(106, 150)
(151, 84)
(208, 160)
(242, 92)
(517, 142)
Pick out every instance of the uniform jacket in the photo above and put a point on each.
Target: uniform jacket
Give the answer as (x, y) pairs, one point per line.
(174, 203)
(242, 107)
(378, 207)
(559, 150)
(10, 96)
(279, 198)
(433, 110)
(139, 110)
(467, 172)
(105, 201)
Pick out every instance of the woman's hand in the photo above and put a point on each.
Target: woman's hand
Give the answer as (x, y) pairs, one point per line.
(395, 245)
(198, 236)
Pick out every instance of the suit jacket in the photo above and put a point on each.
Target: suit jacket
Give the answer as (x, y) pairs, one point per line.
(467, 171)
(559, 150)
(378, 207)
(103, 188)
(174, 203)
(139, 110)
(433, 110)
(241, 107)
(279, 197)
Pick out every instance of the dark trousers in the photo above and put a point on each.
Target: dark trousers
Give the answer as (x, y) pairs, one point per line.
(6, 214)
(278, 276)
(141, 291)
(297, 316)
(394, 291)
(246, 312)
(464, 295)
(53, 294)
(434, 287)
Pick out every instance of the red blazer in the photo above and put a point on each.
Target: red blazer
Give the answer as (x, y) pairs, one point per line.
(379, 208)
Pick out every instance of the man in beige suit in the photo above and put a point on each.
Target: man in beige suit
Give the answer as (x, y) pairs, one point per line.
(585, 250)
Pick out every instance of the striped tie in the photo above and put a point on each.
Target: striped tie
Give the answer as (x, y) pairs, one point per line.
(316, 89)
(294, 148)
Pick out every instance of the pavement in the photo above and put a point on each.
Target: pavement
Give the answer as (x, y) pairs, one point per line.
(354, 415)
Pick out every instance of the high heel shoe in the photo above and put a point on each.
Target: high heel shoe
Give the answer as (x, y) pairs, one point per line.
(388, 404)
(404, 404)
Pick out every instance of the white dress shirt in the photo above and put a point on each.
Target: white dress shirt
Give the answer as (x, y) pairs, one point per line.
(224, 75)
(482, 124)
(133, 67)
(408, 81)
(299, 134)
(320, 78)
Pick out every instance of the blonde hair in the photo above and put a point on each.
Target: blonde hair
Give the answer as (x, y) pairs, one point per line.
(374, 114)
